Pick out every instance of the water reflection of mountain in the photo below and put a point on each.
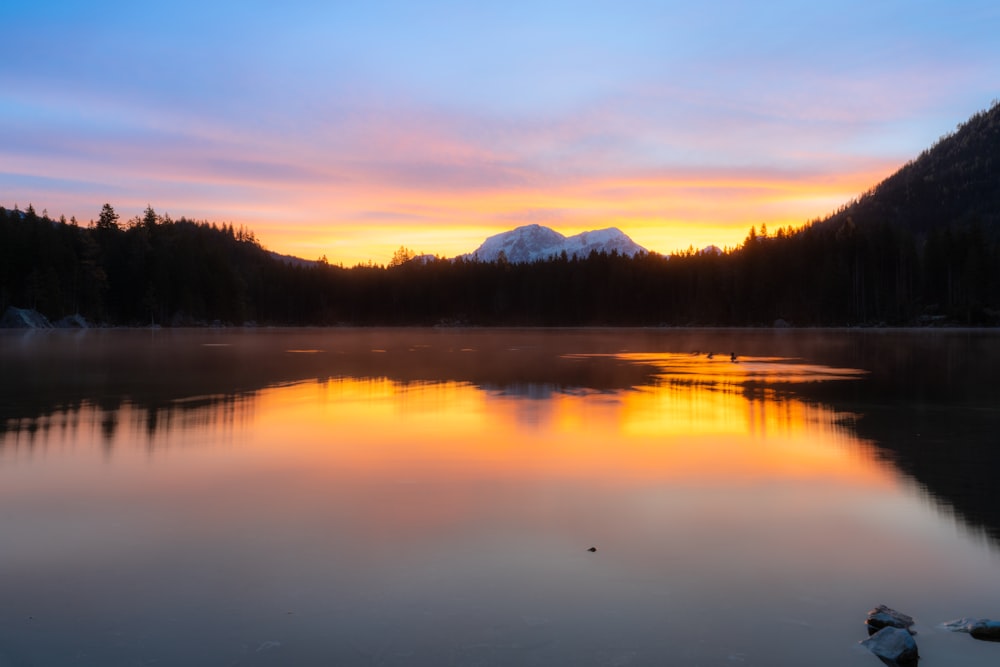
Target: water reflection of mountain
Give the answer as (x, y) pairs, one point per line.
(929, 402)
(931, 406)
(165, 373)
(954, 453)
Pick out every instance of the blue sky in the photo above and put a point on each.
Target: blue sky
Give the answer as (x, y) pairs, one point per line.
(349, 129)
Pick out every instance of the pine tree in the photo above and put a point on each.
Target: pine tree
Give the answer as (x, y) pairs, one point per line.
(108, 220)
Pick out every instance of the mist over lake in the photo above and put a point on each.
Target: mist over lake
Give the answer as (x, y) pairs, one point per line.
(494, 496)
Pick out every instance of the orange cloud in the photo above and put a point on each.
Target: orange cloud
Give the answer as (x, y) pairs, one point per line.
(356, 187)
(664, 212)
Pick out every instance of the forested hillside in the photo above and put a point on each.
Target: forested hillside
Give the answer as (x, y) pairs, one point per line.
(921, 248)
(954, 184)
(187, 273)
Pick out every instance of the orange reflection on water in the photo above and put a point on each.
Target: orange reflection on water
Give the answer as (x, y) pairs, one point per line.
(357, 471)
(679, 429)
(710, 419)
(401, 498)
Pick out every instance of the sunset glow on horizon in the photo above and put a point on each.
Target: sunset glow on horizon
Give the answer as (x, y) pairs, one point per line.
(347, 131)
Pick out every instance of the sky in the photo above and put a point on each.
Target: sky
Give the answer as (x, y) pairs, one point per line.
(349, 129)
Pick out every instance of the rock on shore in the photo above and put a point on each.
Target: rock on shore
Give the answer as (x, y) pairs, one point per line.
(23, 318)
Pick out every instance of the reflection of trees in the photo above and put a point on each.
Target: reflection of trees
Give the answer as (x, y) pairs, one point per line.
(951, 452)
(930, 405)
(69, 421)
(167, 375)
(855, 268)
(929, 402)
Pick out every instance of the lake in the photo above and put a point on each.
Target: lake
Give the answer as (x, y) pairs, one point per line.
(432, 496)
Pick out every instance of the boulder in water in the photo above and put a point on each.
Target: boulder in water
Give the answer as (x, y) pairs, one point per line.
(980, 628)
(894, 645)
(885, 617)
(986, 629)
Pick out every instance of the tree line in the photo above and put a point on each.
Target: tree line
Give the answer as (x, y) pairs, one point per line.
(156, 270)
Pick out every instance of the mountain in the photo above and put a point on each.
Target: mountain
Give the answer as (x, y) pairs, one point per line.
(531, 243)
(954, 183)
(291, 260)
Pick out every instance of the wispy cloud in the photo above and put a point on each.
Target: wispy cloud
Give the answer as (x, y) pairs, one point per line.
(358, 128)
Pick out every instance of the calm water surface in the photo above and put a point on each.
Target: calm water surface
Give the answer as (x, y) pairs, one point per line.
(429, 497)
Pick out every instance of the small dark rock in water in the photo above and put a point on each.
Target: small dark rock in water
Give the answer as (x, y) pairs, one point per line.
(980, 628)
(884, 617)
(986, 629)
(592, 549)
(894, 645)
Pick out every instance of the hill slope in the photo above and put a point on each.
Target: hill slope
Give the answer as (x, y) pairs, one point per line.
(954, 183)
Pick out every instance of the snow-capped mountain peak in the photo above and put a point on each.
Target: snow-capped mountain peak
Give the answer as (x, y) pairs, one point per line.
(532, 243)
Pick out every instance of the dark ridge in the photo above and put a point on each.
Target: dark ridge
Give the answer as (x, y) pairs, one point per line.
(954, 183)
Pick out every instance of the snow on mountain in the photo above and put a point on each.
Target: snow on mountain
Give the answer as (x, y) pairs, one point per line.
(532, 243)
(602, 240)
(524, 244)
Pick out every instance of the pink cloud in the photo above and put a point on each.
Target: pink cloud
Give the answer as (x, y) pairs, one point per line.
(666, 164)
